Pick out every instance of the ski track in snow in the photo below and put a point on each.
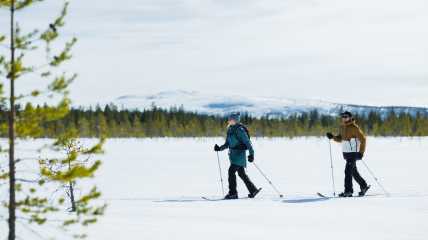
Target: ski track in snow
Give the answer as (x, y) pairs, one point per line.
(154, 187)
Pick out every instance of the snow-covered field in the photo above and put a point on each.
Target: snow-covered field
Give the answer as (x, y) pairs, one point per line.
(154, 189)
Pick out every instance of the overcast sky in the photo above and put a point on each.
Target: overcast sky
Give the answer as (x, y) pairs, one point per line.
(365, 52)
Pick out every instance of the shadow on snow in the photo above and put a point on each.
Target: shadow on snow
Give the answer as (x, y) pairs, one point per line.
(306, 200)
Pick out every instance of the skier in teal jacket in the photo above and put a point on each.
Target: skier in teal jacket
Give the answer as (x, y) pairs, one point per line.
(238, 142)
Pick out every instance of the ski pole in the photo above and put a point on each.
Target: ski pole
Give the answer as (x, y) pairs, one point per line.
(332, 170)
(269, 181)
(376, 179)
(221, 175)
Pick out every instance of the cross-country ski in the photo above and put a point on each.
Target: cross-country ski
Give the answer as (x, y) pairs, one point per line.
(349, 196)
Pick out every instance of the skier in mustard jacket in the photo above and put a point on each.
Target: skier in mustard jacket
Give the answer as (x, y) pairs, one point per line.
(238, 142)
(353, 145)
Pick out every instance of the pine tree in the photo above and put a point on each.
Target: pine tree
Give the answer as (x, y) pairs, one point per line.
(32, 205)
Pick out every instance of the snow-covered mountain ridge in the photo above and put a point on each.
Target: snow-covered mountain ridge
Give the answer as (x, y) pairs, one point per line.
(255, 106)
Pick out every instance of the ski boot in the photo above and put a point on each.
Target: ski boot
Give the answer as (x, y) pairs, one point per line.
(345, 194)
(364, 191)
(230, 196)
(254, 194)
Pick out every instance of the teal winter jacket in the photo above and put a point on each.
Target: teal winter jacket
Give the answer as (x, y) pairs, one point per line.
(237, 141)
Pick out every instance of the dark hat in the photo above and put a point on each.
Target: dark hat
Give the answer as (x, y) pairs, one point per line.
(234, 116)
(346, 114)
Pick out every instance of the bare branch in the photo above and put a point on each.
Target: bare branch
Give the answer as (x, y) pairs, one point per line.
(25, 159)
(26, 180)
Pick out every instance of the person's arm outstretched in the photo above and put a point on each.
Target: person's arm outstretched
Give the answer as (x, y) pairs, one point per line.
(218, 148)
(336, 138)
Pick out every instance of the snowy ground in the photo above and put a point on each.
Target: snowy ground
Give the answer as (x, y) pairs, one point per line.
(154, 188)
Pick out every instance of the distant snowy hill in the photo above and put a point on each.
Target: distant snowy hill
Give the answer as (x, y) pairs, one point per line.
(255, 106)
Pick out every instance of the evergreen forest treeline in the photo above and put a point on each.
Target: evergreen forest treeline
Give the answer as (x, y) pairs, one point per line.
(175, 122)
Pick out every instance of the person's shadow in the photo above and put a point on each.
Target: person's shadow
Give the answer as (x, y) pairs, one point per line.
(305, 200)
(180, 201)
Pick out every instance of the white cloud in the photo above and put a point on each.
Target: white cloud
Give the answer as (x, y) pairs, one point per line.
(368, 52)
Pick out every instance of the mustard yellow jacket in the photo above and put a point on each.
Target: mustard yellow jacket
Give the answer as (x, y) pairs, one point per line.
(351, 132)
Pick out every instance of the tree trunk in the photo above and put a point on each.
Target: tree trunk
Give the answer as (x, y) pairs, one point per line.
(12, 75)
(72, 200)
(71, 192)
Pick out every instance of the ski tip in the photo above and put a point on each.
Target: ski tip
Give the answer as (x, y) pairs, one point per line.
(321, 195)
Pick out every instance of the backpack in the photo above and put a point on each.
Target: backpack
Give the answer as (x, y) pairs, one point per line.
(245, 129)
(242, 146)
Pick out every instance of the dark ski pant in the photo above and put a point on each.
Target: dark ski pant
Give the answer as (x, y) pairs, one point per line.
(241, 173)
(351, 171)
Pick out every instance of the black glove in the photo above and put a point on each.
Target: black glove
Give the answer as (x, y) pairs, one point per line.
(217, 148)
(251, 158)
(330, 135)
(360, 156)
